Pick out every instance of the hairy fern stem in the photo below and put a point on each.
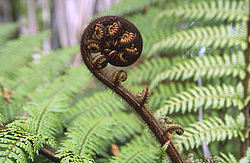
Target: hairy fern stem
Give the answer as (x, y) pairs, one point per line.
(119, 89)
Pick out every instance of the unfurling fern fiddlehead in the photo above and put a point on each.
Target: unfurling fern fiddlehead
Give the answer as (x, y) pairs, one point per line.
(114, 40)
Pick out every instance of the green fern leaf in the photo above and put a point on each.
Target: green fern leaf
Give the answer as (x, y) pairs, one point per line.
(6, 30)
(145, 139)
(17, 145)
(126, 126)
(214, 37)
(69, 156)
(206, 97)
(205, 67)
(44, 117)
(163, 92)
(137, 154)
(128, 6)
(229, 158)
(99, 105)
(214, 10)
(64, 85)
(23, 49)
(213, 129)
(184, 121)
(2, 120)
(30, 78)
(88, 136)
(148, 70)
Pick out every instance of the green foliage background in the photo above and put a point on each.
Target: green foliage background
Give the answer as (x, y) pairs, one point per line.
(57, 104)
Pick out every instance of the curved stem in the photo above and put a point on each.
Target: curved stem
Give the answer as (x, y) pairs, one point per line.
(130, 98)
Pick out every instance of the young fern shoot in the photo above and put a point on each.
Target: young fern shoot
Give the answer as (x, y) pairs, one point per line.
(114, 40)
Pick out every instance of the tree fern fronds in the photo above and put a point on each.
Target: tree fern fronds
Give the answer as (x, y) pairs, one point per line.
(162, 157)
(137, 154)
(22, 48)
(17, 145)
(228, 158)
(11, 110)
(148, 70)
(205, 67)
(61, 60)
(206, 97)
(30, 78)
(2, 120)
(213, 129)
(154, 37)
(102, 104)
(44, 116)
(185, 120)
(129, 6)
(145, 139)
(164, 91)
(214, 37)
(89, 136)
(67, 85)
(6, 30)
(143, 22)
(214, 10)
(69, 156)
(126, 125)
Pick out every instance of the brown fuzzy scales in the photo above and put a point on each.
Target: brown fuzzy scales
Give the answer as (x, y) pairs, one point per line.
(130, 98)
(144, 96)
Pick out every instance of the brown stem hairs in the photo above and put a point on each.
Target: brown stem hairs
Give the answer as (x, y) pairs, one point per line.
(114, 40)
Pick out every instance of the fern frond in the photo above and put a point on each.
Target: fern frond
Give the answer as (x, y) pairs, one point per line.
(150, 36)
(143, 22)
(214, 37)
(44, 116)
(23, 49)
(148, 70)
(213, 129)
(34, 75)
(6, 30)
(126, 126)
(165, 91)
(205, 67)
(137, 154)
(101, 104)
(185, 120)
(69, 156)
(67, 85)
(10, 110)
(145, 139)
(154, 37)
(17, 145)
(227, 158)
(206, 97)
(2, 119)
(214, 10)
(129, 6)
(29, 80)
(88, 136)
(142, 148)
